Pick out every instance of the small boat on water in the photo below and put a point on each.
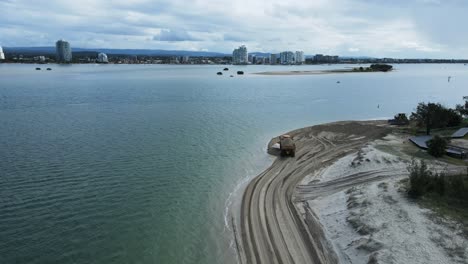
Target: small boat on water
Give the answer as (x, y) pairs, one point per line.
(240, 72)
(219, 73)
(226, 69)
(338, 82)
(38, 69)
(49, 69)
(231, 76)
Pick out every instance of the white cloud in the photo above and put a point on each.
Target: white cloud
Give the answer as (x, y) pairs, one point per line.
(173, 35)
(375, 28)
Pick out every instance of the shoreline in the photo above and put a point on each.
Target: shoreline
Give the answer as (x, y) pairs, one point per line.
(325, 204)
(272, 228)
(314, 72)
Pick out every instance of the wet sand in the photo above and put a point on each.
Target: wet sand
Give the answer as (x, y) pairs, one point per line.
(272, 228)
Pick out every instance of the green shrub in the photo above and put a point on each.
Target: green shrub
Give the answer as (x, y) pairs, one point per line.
(437, 146)
(419, 177)
(422, 181)
(458, 186)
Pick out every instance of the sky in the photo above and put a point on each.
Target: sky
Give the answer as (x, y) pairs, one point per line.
(377, 28)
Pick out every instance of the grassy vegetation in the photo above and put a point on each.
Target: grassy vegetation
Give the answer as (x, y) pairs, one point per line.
(447, 208)
(413, 151)
(446, 194)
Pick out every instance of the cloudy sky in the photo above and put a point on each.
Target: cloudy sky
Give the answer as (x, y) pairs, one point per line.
(380, 28)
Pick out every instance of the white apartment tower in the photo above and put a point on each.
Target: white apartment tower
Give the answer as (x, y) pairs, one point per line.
(63, 51)
(287, 57)
(2, 55)
(300, 59)
(102, 58)
(240, 56)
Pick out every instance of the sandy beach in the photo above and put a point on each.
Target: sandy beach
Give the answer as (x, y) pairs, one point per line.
(315, 72)
(324, 205)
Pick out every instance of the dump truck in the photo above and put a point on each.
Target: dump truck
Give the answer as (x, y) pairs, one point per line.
(287, 146)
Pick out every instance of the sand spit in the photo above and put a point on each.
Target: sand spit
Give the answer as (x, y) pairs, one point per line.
(272, 228)
(341, 200)
(315, 72)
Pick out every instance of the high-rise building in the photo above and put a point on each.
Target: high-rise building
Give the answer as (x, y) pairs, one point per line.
(63, 51)
(273, 58)
(239, 56)
(287, 57)
(335, 59)
(2, 55)
(102, 58)
(318, 58)
(300, 57)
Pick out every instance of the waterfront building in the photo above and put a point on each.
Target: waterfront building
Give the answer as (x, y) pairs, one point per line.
(335, 59)
(2, 55)
(300, 57)
(63, 51)
(102, 58)
(273, 58)
(239, 55)
(260, 60)
(287, 57)
(250, 58)
(40, 59)
(185, 59)
(318, 58)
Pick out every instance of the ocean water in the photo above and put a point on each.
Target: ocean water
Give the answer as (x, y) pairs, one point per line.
(139, 163)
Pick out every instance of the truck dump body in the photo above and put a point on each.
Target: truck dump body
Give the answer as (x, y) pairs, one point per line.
(287, 146)
(287, 143)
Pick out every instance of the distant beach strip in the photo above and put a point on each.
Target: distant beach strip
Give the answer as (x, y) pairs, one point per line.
(371, 68)
(315, 72)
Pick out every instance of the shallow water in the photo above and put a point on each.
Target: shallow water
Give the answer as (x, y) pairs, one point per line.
(135, 163)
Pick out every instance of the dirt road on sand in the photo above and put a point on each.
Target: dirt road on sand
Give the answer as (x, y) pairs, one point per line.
(272, 229)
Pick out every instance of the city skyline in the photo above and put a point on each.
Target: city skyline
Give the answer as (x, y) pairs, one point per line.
(345, 27)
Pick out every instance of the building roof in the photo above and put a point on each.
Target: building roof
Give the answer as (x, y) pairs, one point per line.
(460, 132)
(421, 141)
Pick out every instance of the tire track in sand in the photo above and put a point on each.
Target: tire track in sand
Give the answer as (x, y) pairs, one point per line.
(272, 229)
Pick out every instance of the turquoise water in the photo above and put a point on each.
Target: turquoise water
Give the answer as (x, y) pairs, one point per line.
(137, 163)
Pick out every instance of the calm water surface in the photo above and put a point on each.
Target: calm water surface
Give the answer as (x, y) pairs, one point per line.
(136, 164)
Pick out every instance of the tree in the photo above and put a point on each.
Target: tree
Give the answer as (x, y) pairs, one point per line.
(401, 119)
(462, 109)
(453, 117)
(381, 67)
(437, 146)
(433, 115)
